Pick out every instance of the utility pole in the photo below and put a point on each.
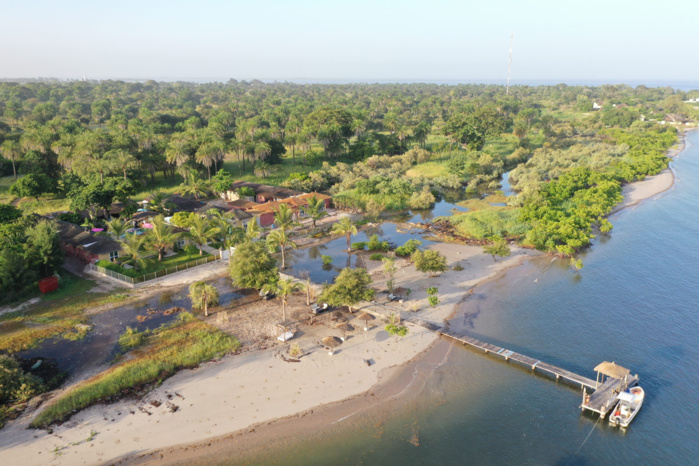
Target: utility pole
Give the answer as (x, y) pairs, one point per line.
(509, 64)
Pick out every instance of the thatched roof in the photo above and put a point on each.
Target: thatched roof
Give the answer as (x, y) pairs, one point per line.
(612, 370)
(332, 342)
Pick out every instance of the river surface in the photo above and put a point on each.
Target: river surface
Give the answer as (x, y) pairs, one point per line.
(635, 302)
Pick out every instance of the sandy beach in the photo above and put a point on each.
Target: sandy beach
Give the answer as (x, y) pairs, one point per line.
(231, 398)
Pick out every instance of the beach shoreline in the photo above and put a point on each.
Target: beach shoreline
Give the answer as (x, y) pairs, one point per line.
(332, 389)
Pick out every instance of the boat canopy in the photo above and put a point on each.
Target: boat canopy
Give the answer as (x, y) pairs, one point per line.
(612, 370)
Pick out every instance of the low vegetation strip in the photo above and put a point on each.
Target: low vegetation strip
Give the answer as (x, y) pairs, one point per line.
(183, 344)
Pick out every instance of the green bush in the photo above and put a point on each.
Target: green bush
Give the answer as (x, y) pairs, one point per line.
(70, 217)
(183, 219)
(190, 249)
(375, 245)
(408, 248)
(395, 330)
(359, 246)
(327, 260)
(376, 257)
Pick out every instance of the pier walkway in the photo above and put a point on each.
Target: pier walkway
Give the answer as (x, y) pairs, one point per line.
(604, 392)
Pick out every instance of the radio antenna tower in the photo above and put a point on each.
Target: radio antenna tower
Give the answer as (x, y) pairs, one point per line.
(509, 64)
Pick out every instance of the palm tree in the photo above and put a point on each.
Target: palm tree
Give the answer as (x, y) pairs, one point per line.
(345, 227)
(278, 239)
(177, 152)
(283, 289)
(132, 247)
(315, 209)
(117, 227)
(207, 155)
(284, 217)
(193, 186)
(201, 231)
(11, 150)
(253, 230)
(158, 201)
(121, 159)
(203, 296)
(161, 236)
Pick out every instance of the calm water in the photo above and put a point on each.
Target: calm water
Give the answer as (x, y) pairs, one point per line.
(635, 302)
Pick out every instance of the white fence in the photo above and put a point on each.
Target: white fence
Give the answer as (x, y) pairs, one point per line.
(153, 275)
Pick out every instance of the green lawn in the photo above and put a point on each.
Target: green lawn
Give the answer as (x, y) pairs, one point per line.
(153, 265)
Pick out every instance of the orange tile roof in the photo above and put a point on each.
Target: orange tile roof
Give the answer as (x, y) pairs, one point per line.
(317, 195)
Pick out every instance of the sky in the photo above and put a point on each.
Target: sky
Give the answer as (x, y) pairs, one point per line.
(358, 41)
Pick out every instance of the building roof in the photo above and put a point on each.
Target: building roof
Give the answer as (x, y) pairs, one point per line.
(265, 189)
(241, 214)
(183, 204)
(243, 204)
(314, 194)
(612, 370)
(674, 117)
(78, 237)
(146, 214)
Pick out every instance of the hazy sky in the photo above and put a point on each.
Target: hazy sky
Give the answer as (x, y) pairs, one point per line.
(356, 40)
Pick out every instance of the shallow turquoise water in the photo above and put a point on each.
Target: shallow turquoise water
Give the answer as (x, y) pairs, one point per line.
(635, 302)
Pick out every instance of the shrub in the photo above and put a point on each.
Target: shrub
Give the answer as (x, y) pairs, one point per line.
(183, 219)
(191, 249)
(458, 267)
(70, 217)
(246, 191)
(375, 245)
(433, 300)
(376, 257)
(327, 260)
(396, 330)
(408, 248)
(359, 246)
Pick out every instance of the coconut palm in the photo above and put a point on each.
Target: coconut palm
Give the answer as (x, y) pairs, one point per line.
(201, 231)
(203, 296)
(158, 201)
(283, 289)
(132, 248)
(177, 152)
(315, 209)
(253, 230)
(278, 239)
(117, 227)
(121, 159)
(194, 186)
(207, 155)
(11, 150)
(161, 236)
(347, 228)
(284, 217)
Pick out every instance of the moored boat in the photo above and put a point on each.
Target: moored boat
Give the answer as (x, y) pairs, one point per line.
(628, 405)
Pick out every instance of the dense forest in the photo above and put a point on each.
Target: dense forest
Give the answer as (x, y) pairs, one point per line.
(81, 146)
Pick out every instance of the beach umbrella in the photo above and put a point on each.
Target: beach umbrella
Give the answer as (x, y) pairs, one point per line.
(332, 343)
(345, 327)
(366, 317)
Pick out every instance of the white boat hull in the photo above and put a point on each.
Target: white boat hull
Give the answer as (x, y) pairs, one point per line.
(627, 407)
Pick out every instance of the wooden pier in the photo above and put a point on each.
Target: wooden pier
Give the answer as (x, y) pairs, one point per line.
(600, 399)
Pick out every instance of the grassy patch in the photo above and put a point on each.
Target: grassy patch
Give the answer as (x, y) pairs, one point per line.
(186, 343)
(484, 223)
(43, 206)
(131, 339)
(58, 313)
(428, 170)
(477, 204)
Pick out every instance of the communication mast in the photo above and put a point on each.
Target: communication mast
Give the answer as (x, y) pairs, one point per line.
(509, 64)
